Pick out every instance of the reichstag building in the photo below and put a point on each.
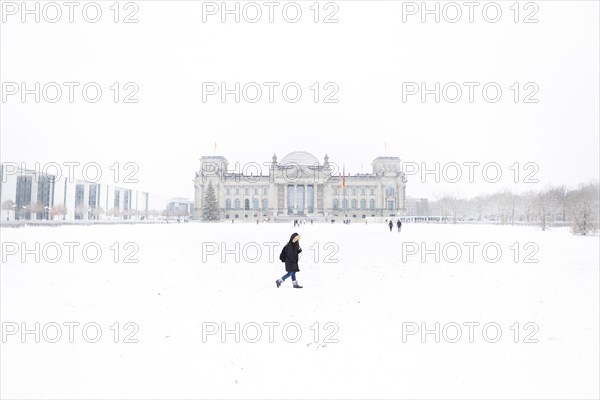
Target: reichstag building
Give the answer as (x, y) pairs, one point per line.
(301, 187)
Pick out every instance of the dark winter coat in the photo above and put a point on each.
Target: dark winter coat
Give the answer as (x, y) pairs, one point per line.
(291, 260)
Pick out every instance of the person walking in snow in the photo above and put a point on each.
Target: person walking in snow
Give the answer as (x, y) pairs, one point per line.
(391, 225)
(399, 225)
(289, 255)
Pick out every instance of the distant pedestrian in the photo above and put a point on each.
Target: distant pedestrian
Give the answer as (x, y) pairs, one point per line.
(391, 225)
(399, 225)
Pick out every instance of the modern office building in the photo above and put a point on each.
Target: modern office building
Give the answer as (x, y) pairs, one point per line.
(31, 194)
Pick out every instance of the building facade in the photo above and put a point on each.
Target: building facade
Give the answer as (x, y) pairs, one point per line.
(180, 206)
(30, 194)
(301, 187)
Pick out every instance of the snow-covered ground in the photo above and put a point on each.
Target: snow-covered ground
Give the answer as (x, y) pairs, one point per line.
(377, 292)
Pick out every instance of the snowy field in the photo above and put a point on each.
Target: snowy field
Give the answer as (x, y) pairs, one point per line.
(367, 288)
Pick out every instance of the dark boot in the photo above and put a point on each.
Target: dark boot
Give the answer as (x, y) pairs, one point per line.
(278, 282)
(296, 286)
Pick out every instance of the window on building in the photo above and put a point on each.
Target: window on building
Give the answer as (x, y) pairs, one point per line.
(228, 191)
(344, 204)
(372, 204)
(246, 192)
(255, 191)
(335, 204)
(256, 204)
(265, 191)
(117, 201)
(127, 203)
(237, 204)
(335, 192)
(363, 191)
(290, 198)
(246, 203)
(127, 199)
(237, 190)
(310, 198)
(390, 204)
(45, 189)
(79, 204)
(363, 204)
(228, 204)
(79, 190)
(93, 196)
(23, 198)
(372, 192)
(354, 192)
(265, 203)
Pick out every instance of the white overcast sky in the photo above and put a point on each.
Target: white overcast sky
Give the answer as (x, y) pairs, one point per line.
(368, 54)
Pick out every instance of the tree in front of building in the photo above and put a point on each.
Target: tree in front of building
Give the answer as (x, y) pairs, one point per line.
(113, 212)
(210, 207)
(80, 211)
(38, 209)
(97, 212)
(59, 211)
(9, 206)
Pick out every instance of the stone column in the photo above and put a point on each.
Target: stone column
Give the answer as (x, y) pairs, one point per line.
(316, 191)
(305, 199)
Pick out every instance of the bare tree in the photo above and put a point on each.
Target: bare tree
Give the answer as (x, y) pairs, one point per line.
(451, 205)
(59, 210)
(529, 200)
(479, 203)
(584, 205)
(81, 210)
(113, 212)
(8, 205)
(511, 200)
(37, 208)
(558, 200)
(542, 207)
(97, 212)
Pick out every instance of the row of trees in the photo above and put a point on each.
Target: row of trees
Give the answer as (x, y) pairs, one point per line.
(578, 207)
(34, 208)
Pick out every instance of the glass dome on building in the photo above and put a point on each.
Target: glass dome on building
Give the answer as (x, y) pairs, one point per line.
(302, 158)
